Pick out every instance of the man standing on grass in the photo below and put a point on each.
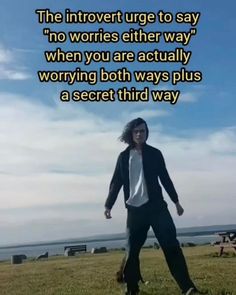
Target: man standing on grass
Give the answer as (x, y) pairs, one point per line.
(138, 169)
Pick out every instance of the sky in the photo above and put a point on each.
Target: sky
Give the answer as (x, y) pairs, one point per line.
(57, 158)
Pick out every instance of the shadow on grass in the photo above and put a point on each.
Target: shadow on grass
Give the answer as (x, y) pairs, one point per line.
(224, 292)
(145, 293)
(221, 292)
(206, 292)
(224, 255)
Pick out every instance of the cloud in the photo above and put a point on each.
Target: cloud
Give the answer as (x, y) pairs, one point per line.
(202, 167)
(53, 153)
(147, 114)
(5, 55)
(188, 97)
(64, 155)
(9, 74)
(9, 68)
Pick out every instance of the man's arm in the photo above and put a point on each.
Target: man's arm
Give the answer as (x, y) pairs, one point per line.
(114, 188)
(168, 185)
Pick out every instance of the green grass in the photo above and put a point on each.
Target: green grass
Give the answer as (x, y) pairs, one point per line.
(95, 274)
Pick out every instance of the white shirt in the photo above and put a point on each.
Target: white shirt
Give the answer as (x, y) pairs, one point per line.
(137, 185)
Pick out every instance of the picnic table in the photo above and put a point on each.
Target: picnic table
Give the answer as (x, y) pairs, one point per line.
(71, 250)
(227, 240)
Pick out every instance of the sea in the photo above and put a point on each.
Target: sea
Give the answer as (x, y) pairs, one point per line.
(53, 249)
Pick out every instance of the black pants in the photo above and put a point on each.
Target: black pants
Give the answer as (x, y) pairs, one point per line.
(139, 221)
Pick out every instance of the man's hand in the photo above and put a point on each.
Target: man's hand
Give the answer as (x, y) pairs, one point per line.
(179, 209)
(107, 213)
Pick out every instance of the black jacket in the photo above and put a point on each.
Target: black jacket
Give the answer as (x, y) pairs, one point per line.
(153, 168)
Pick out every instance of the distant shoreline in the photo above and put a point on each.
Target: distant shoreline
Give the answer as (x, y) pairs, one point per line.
(181, 232)
(191, 234)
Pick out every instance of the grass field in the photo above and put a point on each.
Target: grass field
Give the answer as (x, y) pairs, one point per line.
(95, 274)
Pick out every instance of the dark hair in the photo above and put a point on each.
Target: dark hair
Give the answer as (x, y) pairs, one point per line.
(127, 136)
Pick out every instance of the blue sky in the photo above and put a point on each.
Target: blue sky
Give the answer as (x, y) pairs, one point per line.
(57, 158)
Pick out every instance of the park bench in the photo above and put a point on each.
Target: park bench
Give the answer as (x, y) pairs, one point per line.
(71, 250)
(227, 240)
